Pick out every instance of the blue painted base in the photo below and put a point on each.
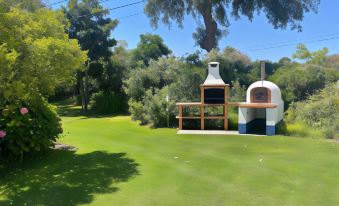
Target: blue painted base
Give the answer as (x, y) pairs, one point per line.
(270, 130)
(257, 126)
(242, 128)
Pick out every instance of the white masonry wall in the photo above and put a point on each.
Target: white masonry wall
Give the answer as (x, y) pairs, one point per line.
(272, 116)
(245, 115)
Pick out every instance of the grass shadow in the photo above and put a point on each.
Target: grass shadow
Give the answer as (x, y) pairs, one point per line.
(64, 178)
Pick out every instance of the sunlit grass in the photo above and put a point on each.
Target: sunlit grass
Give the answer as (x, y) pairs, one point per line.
(119, 162)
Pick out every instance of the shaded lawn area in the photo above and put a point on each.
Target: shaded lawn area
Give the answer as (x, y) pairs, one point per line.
(64, 178)
(122, 163)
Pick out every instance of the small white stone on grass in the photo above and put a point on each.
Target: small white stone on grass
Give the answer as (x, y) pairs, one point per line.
(260, 160)
(176, 157)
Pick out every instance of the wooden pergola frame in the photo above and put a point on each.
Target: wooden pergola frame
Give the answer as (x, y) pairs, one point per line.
(225, 106)
(202, 106)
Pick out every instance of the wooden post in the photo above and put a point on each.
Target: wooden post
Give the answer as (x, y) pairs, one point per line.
(180, 117)
(226, 109)
(226, 94)
(225, 117)
(202, 108)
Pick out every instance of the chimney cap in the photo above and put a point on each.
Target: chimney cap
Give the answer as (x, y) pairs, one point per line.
(214, 64)
(213, 77)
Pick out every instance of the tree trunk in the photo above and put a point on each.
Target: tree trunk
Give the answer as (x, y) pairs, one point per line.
(86, 95)
(209, 41)
(81, 92)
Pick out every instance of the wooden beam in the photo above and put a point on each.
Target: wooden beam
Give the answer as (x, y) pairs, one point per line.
(206, 117)
(214, 117)
(253, 105)
(226, 109)
(227, 91)
(225, 117)
(214, 85)
(188, 104)
(189, 117)
(202, 108)
(192, 104)
(180, 117)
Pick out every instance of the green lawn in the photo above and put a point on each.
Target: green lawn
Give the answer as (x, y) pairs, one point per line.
(121, 163)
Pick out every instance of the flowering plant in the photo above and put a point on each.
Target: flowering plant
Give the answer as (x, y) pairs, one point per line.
(27, 127)
(23, 110)
(2, 134)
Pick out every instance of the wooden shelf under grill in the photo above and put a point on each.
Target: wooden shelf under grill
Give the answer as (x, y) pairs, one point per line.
(191, 104)
(205, 117)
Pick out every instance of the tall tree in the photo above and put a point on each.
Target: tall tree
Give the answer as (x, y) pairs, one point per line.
(35, 54)
(280, 14)
(93, 30)
(150, 47)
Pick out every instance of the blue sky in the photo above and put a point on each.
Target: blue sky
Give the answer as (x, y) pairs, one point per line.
(244, 35)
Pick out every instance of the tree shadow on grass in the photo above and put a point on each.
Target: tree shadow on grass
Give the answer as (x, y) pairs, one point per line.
(65, 178)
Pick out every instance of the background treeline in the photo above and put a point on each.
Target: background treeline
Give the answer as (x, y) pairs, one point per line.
(147, 81)
(152, 80)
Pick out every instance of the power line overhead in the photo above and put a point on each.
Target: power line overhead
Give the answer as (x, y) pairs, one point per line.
(59, 2)
(131, 15)
(254, 46)
(118, 7)
(293, 44)
(126, 5)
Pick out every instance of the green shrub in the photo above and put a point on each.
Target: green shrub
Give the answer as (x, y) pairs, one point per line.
(137, 111)
(157, 109)
(318, 115)
(28, 126)
(300, 129)
(108, 103)
(233, 118)
(282, 127)
(148, 87)
(154, 109)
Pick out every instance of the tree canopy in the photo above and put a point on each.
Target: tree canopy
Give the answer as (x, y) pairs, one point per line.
(35, 54)
(215, 16)
(89, 25)
(316, 57)
(150, 47)
(298, 81)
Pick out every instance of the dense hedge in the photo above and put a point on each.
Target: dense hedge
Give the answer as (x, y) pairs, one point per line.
(108, 103)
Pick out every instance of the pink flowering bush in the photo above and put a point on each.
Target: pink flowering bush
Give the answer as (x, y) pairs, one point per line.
(2, 134)
(27, 127)
(23, 110)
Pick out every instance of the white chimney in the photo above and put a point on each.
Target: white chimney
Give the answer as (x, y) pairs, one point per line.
(213, 77)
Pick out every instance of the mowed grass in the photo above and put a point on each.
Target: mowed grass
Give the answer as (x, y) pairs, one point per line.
(121, 163)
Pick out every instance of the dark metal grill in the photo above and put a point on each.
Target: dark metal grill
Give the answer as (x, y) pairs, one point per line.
(214, 96)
